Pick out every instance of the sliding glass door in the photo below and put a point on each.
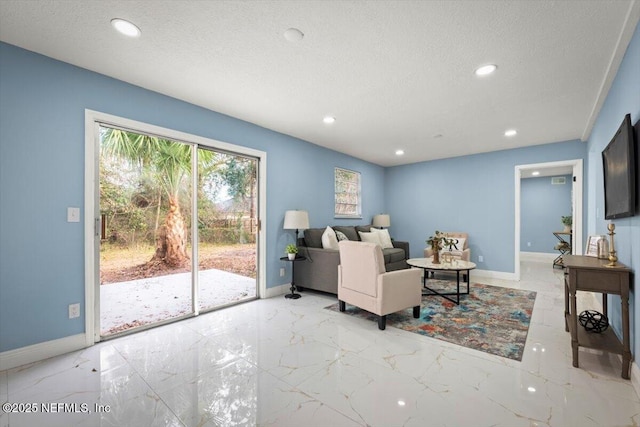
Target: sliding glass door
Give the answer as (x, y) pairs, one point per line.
(227, 206)
(157, 197)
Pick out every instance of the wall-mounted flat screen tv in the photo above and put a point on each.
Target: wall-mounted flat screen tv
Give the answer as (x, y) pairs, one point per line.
(620, 173)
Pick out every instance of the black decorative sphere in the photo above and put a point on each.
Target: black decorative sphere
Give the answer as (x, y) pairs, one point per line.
(593, 321)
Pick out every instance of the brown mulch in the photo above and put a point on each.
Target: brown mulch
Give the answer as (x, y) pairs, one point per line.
(238, 261)
(125, 326)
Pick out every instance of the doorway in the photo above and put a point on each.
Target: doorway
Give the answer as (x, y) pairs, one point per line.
(574, 167)
(174, 225)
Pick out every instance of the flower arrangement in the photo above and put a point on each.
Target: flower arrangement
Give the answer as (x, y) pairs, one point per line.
(567, 220)
(438, 241)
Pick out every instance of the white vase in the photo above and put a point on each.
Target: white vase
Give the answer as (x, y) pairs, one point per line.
(567, 229)
(291, 256)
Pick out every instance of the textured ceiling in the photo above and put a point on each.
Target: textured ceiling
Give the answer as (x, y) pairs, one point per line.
(395, 74)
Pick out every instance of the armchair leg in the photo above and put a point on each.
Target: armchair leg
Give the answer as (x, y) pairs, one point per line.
(341, 305)
(382, 322)
(416, 312)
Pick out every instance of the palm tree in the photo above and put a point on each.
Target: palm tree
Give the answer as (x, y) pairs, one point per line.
(170, 163)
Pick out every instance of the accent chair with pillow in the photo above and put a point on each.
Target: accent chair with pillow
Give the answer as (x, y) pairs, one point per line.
(363, 282)
(320, 246)
(461, 251)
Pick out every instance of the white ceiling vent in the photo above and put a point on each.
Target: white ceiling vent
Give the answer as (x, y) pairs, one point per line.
(558, 180)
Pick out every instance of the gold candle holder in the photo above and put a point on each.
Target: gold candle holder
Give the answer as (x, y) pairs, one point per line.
(613, 259)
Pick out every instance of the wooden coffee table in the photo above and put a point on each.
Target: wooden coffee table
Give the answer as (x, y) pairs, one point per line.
(457, 265)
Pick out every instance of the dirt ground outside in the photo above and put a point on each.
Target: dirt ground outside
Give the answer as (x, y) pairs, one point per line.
(121, 264)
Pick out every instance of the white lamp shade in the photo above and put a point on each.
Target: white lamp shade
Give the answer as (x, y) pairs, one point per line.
(382, 220)
(296, 220)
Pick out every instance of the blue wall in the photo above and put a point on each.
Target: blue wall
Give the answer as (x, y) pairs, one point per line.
(42, 104)
(542, 206)
(474, 193)
(623, 98)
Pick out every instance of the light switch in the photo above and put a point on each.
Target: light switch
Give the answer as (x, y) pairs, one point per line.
(73, 214)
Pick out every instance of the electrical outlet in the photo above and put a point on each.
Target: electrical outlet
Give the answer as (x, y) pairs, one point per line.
(74, 310)
(282, 272)
(480, 258)
(73, 214)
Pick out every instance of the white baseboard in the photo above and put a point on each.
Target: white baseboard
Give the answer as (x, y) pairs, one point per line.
(635, 377)
(487, 274)
(44, 350)
(538, 256)
(493, 274)
(277, 290)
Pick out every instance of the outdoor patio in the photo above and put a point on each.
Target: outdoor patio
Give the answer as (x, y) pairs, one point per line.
(134, 303)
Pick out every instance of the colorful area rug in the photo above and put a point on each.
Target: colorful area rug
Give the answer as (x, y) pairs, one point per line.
(490, 319)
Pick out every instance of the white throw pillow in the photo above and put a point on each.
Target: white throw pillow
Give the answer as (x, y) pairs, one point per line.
(370, 237)
(329, 239)
(385, 238)
(459, 244)
(341, 236)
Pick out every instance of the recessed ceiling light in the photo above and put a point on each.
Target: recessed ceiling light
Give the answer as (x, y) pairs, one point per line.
(126, 27)
(510, 132)
(329, 119)
(535, 173)
(293, 35)
(486, 69)
(399, 152)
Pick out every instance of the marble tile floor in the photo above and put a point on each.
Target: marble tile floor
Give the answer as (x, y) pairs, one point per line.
(281, 362)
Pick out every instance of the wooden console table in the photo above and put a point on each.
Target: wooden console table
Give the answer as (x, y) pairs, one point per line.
(591, 274)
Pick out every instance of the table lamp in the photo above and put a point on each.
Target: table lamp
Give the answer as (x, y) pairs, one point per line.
(381, 220)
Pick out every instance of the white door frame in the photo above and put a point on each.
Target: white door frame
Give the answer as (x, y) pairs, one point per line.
(578, 189)
(93, 119)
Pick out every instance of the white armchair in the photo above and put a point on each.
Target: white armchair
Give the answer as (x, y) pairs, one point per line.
(363, 282)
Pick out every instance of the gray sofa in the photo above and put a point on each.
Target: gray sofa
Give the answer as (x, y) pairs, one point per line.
(320, 270)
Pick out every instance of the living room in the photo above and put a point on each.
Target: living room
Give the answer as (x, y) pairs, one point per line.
(42, 172)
